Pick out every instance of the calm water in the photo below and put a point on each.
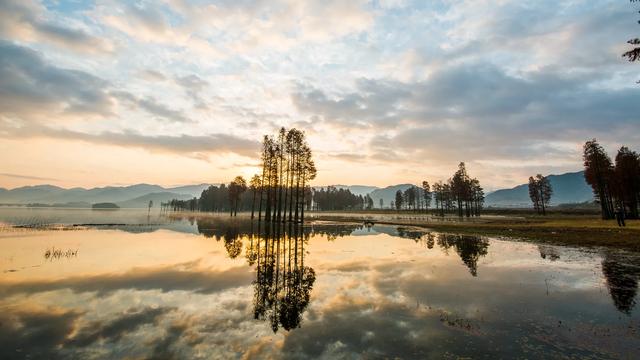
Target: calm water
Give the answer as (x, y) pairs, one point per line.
(150, 287)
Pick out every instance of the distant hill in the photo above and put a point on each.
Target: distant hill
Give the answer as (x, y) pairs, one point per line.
(105, 205)
(569, 188)
(387, 194)
(125, 196)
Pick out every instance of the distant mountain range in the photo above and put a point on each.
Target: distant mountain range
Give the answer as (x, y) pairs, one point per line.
(134, 196)
(569, 188)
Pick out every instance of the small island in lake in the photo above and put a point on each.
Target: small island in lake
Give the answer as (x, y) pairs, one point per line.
(105, 205)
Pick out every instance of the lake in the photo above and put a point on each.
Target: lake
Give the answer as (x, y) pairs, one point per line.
(125, 283)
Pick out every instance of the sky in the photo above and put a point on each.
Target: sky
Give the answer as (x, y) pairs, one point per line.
(173, 92)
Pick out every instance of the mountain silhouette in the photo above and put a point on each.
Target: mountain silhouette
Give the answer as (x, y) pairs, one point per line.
(569, 188)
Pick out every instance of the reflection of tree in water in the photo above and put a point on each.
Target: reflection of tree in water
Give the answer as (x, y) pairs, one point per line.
(283, 283)
(548, 252)
(230, 231)
(411, 233)
(469, 248)
(332, 231)
(224, 228)
(622, 274)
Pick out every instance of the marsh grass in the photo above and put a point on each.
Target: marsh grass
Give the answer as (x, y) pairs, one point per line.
(54, 254)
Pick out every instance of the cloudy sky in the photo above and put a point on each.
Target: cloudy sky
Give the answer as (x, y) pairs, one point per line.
(96, 93)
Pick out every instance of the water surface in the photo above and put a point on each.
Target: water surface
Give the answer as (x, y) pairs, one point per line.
(152, 287)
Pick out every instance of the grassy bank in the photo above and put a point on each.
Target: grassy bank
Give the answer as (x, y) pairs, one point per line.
(576, 230)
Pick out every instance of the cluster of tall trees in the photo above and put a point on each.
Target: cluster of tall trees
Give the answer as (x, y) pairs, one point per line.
(414, 198)
(615, 184)
(332, 198)
(281, 193)
(287, 168)
(540, 192)
(461, 194)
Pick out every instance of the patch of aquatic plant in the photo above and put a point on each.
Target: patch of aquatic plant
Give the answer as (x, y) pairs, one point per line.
(55, 254)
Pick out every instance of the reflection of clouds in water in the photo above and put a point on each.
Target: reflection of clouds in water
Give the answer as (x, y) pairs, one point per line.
(170, 324)
(383, 297)
(34, 331)
(167, 278)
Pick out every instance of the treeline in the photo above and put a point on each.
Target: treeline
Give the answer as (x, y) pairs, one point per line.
(225, 198)
(332, 198)
(229, 198)
(615, 184)
(461, 195)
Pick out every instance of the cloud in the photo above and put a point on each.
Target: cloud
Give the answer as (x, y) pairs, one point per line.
(151, 106)
(33, 89)
(241, 27)
(152, 75)
(149, 23)
(193, 85)
(116, 329)
(178, 144)
(477, 111)
(389, 83)
(24, 21)
(28, 177)
(35, 331)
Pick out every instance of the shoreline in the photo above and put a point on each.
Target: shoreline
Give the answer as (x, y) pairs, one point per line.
(568, 231)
